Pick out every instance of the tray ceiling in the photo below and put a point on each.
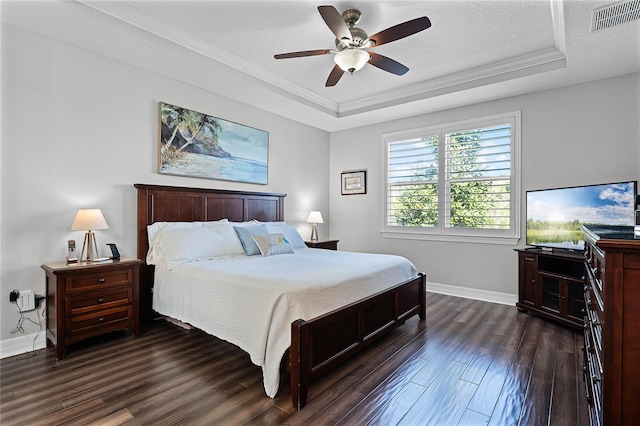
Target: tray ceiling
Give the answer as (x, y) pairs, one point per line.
(475, 50)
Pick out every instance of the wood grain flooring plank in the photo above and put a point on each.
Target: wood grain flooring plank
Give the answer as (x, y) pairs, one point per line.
(478, 366)
(471, 418)
(115, 419)
(535, 409)
(436, 394)
(452, 409)
(563, 407)
(397, 407)
(490, 387)
(509, 403)
(382, 394)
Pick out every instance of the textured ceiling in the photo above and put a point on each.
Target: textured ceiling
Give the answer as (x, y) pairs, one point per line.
(474, 51)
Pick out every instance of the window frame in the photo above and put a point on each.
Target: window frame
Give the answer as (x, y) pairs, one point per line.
(509, 236)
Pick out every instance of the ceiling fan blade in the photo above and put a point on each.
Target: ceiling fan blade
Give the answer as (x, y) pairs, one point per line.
(334, 21)
(400, 31)
(334, 76)
(302, 54)
(387, 64)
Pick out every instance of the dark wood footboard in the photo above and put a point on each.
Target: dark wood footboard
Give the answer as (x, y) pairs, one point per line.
(319, 344)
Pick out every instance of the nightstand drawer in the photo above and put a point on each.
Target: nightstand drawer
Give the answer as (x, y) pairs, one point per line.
(77, 305)
(99, 321)
(98, 280)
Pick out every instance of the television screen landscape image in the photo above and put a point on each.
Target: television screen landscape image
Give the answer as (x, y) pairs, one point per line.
(554, 216)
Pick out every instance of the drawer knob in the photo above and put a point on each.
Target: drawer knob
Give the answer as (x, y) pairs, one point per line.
(100, 280)
(101, 319)
(101, 300)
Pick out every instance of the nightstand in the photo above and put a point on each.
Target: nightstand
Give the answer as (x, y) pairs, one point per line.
(86, 299)
(323, 244)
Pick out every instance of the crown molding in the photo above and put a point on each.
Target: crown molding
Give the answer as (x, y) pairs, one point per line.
(548, 59)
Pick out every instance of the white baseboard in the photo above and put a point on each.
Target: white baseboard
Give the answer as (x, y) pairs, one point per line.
(22, 344)
(473, 293)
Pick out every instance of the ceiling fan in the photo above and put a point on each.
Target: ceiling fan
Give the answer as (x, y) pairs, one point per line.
(352, 42)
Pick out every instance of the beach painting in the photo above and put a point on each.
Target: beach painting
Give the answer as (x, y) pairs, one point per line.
(198, 145)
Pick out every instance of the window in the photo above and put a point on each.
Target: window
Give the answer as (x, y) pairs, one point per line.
(457, 182)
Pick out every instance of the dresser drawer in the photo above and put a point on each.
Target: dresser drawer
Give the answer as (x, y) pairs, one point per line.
(592, 376)
(98, 280)
(596, 268)
(104, 299)
(100, 320)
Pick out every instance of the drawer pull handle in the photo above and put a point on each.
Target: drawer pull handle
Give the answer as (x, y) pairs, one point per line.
(595, 378)
(101, 300)
(101, 319)
(101, 280)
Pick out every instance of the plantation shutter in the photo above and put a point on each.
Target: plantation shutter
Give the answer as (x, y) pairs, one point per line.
(478, 178)
(454, 182)
(412, 182)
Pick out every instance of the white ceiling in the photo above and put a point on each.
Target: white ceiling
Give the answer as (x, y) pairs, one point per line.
(476, 50)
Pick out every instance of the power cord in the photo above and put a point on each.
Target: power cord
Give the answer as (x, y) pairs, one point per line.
(42, 318)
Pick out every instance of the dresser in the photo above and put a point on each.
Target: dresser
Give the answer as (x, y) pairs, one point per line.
(612, 325)
(86, 299)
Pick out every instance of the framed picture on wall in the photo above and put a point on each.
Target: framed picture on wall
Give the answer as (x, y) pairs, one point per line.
(198, 145)
(354, 182)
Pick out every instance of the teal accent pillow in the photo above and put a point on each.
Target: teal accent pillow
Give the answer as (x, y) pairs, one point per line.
(271, 244)
(246, 233)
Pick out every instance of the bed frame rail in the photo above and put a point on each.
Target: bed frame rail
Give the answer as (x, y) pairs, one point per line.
(317, 345)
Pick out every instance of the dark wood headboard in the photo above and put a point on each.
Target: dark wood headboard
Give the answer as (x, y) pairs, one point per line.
(158, 203)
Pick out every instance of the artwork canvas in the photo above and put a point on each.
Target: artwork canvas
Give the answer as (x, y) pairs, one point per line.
(198, 145)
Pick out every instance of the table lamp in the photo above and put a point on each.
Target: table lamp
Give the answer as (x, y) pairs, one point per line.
(87, 220)
(314, 217)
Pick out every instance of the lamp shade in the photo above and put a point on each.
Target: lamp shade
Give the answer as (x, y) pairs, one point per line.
(351, 59)
(89, 219)
(315, 217)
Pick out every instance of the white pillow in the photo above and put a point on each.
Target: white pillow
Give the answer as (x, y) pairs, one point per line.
(289, 231)
(225, 230)
(192, 244)
(272, 244)
(156, 229)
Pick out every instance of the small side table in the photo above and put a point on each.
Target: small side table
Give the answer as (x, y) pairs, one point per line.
(323, 244)
(86, 299)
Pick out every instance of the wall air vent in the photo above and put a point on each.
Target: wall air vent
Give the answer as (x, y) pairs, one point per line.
(615, 14)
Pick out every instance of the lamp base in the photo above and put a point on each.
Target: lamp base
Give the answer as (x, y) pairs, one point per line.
(314, 232)
(90, 244)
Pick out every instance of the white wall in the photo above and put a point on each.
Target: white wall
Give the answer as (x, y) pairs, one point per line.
(583, 134)
(80, 129)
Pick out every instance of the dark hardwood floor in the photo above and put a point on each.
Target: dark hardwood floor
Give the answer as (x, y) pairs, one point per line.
(470, 363)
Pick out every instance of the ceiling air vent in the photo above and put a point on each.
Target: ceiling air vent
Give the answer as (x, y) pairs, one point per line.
(615, 14)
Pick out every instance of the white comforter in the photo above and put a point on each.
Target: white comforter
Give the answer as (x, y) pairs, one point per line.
(251, 301)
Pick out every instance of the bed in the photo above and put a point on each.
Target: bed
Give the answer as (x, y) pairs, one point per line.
(313, 344)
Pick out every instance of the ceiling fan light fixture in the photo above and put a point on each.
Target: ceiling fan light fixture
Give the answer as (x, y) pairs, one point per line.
(351, 60)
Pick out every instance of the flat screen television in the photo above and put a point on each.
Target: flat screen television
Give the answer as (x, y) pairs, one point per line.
(554, 216)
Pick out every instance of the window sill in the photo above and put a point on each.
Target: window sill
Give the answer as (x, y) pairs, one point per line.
(473, 239)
